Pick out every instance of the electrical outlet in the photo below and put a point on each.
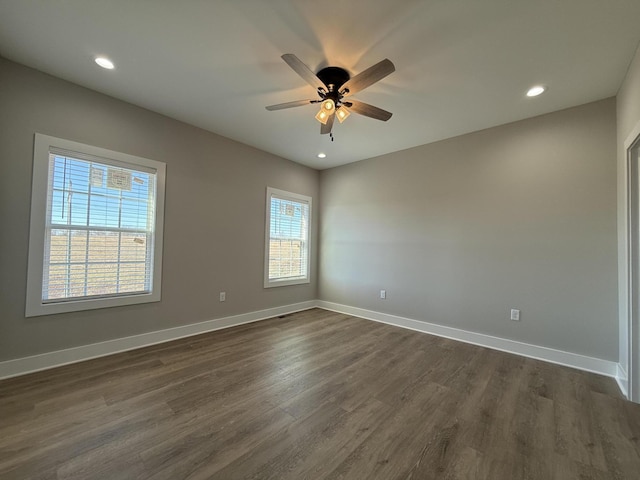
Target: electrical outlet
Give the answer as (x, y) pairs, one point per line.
(515, 315)
(383, 294)
(223, 296)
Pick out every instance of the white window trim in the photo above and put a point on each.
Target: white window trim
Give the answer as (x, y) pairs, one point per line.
(268, 283)
(34, 304)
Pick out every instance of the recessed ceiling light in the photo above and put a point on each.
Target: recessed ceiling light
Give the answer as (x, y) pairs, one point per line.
(105, 63)
(322, 155)
(535, 91)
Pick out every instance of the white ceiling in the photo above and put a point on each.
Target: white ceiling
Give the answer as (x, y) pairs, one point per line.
(461, 65)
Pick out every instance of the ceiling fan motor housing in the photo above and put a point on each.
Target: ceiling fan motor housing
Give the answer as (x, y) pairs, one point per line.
(334, 78)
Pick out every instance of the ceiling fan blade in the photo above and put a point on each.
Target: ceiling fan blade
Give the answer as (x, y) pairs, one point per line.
(297, 103)
(368, 77)
(305, 72)
(368, 110)
(326, 128)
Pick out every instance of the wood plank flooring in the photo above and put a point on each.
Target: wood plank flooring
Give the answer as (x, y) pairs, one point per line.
(316, 395)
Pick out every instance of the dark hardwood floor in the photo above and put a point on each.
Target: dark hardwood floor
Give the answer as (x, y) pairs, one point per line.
(316, 395)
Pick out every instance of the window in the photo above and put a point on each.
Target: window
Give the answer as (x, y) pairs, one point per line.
(287, 238)
(96, 228)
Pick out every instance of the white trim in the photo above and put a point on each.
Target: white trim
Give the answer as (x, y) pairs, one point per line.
(568, 359)
(629, 337)
(295, 197)
(623, 380)
(43, 145)
(45, 361)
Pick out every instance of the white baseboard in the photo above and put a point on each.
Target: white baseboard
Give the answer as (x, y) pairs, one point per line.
(568, 359)
(21, 366)
(623, 380)
(45, 361)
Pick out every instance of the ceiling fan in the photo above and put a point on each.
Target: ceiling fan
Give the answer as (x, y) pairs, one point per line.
(334, 86)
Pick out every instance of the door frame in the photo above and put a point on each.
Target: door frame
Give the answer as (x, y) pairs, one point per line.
(630, 330)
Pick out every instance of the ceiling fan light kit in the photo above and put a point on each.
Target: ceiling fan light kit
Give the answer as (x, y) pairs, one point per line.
(323, 116)
(333, 85)
(342, 114)
(328, 105)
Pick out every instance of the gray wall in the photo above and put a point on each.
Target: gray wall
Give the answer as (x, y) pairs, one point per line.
(459, 231)
(214, 217)
(628, 117)
(628, 101)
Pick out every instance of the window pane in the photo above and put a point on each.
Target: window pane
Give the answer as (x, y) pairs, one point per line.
(77, 175)
(288, 231)
(105, 211)
(133, 247)
(288, 238)
(103, 247)
(132, 277)
(56, 282)
(102, 225)
(59, 246)
(134, 214)
(102, 279)
(287, 258)
(78, 247)
(76, 280)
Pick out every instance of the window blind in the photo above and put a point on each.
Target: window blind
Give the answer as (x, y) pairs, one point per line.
(288, 238)
(99, 233)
